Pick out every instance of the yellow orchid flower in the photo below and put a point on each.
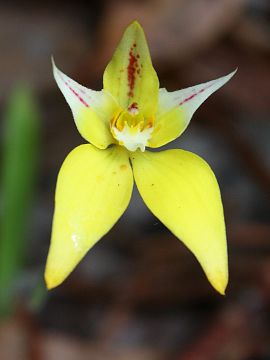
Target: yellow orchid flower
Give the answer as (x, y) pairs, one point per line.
(95, 182)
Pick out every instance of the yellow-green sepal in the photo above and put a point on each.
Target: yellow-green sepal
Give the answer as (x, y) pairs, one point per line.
(92, 110)
(93, 190)
(175, 109)
(130, 76)
(182, 192)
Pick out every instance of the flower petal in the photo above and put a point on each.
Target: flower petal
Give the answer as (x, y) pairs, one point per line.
(175, 109)
(130, 76)
(181, 190)
(93, 190)
(92, 110)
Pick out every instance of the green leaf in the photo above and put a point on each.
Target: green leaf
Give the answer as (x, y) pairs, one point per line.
(21, 137)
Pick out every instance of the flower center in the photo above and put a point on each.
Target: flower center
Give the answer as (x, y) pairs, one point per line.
(131, 129)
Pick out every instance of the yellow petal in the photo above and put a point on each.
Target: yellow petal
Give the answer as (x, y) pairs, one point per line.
(130, 76)
(175, 109)
(92, 110)
(182, 192)
(93, 190)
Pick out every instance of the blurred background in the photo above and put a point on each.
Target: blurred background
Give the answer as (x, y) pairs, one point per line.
(139, 294)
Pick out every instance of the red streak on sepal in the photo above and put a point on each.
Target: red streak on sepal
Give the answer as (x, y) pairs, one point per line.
(74, 91)
(132, 69)
(193, 95)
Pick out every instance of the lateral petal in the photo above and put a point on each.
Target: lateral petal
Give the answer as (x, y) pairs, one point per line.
(182, 192)
(92, 110)
(175, 109)
(93, 190)
(130, 76)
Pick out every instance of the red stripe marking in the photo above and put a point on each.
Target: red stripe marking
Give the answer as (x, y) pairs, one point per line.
(74, 91)
(79, 97)
(133, 66)
(193, 95)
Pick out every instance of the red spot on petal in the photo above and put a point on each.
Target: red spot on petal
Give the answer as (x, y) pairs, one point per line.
(133, 106)
(133, 109)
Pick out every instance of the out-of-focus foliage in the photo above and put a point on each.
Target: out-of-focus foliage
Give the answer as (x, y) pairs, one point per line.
(21, 138)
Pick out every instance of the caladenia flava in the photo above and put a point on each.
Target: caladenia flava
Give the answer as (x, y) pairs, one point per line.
(95, 182)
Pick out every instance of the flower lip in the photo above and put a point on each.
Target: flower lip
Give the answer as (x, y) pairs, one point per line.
(131, 129)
